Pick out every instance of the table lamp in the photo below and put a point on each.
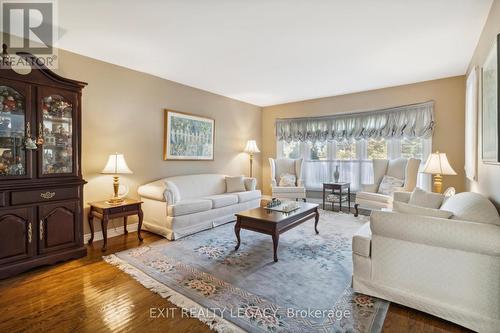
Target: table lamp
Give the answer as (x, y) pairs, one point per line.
(116, 165)
(437, 164)
(251, 148)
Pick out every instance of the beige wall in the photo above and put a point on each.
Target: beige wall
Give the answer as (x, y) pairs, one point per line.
(488, 176)
(123, 112)
(449, 97)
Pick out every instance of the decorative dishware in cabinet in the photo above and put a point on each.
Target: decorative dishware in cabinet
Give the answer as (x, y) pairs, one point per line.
(41, 185)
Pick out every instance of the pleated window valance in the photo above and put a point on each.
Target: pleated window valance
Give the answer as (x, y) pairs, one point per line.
(410, 121)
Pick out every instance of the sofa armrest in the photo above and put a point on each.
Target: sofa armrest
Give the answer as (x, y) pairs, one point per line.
(467, 236)
(402, 196)
(160, 190)
(372, 188)
(250, 183)
(300, 183)
(154, 190)
(273, 183)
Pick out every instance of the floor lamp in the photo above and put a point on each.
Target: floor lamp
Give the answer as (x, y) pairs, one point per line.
(251, 149)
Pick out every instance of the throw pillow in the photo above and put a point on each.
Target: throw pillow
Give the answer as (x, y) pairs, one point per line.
(423, 198)
(390, 184)
(235, 184)
(287, 179)
(402, 207)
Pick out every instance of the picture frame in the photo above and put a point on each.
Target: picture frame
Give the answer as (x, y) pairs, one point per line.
(490, 101)
(188, 137)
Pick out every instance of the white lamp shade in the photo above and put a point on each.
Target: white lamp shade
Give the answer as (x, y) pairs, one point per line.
(437, 163)
(251, 147)
(116, 164)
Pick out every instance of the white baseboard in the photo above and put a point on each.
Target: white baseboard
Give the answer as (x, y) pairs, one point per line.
(113, 232)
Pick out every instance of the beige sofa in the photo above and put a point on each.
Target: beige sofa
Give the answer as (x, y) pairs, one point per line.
(175, 207)
(446, 267)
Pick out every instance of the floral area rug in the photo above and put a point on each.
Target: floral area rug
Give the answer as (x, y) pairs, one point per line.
(307, 290)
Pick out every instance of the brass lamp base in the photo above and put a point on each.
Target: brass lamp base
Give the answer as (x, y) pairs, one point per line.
(115, 200)
(438, 183)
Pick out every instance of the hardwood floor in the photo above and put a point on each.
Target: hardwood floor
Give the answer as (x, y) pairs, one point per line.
(88, 295)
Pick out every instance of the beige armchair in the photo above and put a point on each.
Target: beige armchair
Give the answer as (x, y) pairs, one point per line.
(401, 168)
(281, 166)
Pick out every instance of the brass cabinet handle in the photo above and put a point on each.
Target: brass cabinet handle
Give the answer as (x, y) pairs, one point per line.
(30, 233)
(47, 195)
(41, 229)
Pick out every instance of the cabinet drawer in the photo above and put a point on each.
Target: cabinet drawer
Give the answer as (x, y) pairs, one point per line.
(25, 197)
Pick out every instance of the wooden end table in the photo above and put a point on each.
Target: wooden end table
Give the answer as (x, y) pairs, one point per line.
(338, 189)
(274, 223)
(106, 211)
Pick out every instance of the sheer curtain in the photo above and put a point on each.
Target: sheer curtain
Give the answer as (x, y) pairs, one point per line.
(350, 142)
(356, 169)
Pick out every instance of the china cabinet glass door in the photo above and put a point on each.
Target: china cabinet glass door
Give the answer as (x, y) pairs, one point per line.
(55, 134)
(13, 120)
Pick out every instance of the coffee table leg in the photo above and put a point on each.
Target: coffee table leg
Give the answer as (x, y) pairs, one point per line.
(316, 220)
(237, 228)
(276, 239)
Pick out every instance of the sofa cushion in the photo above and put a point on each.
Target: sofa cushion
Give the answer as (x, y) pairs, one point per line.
(423, 198)
(287, 179)
(469, 206)
(374, 197)
(235, 184)
(248, 195)
(222, 200)
(361, 241)
(250, 183)
(402, 207)
(389, 185)
(189, 206)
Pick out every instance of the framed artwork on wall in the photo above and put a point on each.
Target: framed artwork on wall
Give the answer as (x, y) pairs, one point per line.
(188, 137)
(490, 99)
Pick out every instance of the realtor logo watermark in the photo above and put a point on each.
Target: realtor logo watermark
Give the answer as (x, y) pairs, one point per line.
(31, 27)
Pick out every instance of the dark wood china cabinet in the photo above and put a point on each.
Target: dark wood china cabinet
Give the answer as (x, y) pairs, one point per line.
(41, 184)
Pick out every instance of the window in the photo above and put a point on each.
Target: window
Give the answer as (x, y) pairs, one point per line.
(318, 151)
(376, 149)
(345, 150)
(291, 150)
(412, 148)
(354, 159)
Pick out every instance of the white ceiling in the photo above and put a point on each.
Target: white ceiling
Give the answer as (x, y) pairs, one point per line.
(268, 52)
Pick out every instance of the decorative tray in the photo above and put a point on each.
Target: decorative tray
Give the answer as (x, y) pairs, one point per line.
(284, 207)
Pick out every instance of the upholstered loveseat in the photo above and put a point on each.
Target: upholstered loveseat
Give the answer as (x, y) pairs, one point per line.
(447, 267)
(175, 207)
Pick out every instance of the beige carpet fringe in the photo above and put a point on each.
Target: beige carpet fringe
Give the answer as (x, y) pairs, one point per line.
(212, 320)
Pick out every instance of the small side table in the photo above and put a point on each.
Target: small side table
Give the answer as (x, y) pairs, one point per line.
(338, 189)
(105, 211)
